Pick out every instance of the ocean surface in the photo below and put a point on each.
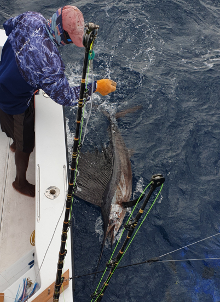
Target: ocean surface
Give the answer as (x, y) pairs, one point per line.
(165, 56)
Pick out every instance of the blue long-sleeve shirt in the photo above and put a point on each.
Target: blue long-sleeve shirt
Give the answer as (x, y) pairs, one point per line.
(30, 61)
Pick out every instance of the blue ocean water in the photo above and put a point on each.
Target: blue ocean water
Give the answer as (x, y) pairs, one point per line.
(165, 56)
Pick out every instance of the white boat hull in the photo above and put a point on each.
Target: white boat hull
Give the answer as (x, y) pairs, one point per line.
(22, 255)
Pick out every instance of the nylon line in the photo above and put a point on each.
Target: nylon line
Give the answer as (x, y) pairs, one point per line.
(189, 245)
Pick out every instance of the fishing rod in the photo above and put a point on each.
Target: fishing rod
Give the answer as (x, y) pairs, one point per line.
(88, 42)
(156, 181)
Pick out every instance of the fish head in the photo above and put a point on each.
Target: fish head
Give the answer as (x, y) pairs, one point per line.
(116, 218)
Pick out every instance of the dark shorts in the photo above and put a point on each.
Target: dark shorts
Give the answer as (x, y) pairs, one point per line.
(20, 128)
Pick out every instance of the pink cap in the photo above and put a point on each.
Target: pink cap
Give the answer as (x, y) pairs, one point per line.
(73, 23)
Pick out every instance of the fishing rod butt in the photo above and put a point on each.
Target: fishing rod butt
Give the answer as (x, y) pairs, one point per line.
(91, 26)
(90, 34)
(157, 180)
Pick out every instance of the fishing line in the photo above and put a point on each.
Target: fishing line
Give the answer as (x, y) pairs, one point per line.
(142, 221)
(182, 260)
(91, 98)
(129, 218)
(5, 14)
(122, 255)
(90, 58)
(121, 236)
(155, 259)
(47, 247)
(189, 245)
(144, 262)
(88, 40)
(50, 242)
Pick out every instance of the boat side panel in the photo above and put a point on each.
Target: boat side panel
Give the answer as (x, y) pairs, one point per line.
(51, 170)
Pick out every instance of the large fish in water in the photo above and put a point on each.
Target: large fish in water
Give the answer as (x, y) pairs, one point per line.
(105, 179)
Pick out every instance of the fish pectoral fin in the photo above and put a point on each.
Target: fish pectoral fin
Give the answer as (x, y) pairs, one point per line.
(129, 110)
(132, 203)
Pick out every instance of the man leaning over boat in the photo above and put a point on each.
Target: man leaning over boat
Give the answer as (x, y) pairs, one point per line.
(31, 61)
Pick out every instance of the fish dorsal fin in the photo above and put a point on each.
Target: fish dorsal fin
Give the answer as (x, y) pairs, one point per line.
(95, 170)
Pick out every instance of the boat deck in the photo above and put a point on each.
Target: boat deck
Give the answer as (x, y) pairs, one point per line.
(17, 212)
